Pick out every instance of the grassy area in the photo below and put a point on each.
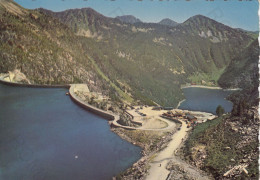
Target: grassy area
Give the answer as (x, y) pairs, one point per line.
(207, 77)
(200, 130)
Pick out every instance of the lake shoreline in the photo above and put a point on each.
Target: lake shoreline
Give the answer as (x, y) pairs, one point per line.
(209, 87)
(201, 86)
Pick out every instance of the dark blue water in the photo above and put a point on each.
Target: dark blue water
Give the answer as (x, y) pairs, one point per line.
(206, 100)
(42, 132)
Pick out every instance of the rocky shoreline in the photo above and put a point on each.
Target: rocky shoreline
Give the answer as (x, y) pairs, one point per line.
(139, 169)
(201, 86)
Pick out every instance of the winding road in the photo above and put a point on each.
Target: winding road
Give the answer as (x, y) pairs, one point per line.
(158, 169)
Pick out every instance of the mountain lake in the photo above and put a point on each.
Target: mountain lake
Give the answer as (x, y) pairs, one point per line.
(205, 99)
(44, 135)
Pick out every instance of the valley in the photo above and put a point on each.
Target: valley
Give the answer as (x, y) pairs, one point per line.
(158, 84)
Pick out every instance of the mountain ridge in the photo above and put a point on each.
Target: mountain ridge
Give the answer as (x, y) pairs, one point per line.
(148, 61)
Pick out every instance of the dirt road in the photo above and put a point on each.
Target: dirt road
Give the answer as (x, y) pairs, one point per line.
(158, 169)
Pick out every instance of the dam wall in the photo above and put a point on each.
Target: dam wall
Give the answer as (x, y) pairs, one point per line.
(105, 114)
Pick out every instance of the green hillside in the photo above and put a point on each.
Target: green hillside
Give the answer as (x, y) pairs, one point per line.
(242, 71)
(142, 61)
(230, 141)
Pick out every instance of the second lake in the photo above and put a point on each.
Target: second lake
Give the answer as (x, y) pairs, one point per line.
(206, 100)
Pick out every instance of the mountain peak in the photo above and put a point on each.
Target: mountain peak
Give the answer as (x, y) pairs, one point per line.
(168, 22)
(86, 10)
(198, 19)
(200, 16)
(202, 23)
(128, 19)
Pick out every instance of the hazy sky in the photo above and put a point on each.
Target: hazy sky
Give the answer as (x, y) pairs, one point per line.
(234, 13)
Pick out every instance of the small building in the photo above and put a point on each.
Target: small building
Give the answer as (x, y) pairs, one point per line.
(191, 118)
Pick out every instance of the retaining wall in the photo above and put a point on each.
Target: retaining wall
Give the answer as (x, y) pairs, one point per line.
(97, 111)
(132, 119)
(115, 124)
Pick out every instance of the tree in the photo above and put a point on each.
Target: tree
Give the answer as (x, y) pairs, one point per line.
(91, 100)
(240, 108)
(220, 110)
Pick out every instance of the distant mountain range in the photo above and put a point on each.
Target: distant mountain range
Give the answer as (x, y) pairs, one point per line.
(121, 57)
(128, 19)
(132, 20)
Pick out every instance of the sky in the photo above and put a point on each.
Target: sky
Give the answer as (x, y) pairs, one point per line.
(234, 13)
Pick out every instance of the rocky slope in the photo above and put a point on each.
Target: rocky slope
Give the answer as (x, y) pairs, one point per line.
(227, 147)
(14, 76)
(34, 43)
